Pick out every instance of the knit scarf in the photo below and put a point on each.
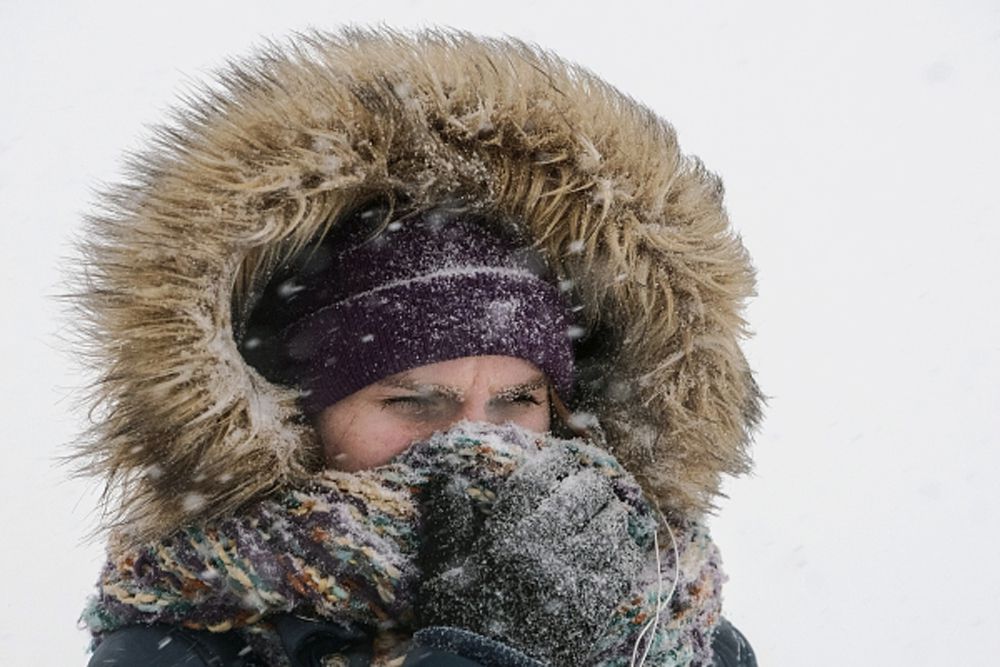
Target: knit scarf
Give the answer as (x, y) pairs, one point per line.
(345, 547)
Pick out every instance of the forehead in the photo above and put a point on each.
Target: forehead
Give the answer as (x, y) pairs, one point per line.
(492, 371)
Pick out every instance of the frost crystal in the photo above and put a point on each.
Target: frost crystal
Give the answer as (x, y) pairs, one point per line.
(289, 288)
(501, 313)
(331, 164)
(322, 144)
(620, 391)
(583, 420)
(193, 502)
(403, 90)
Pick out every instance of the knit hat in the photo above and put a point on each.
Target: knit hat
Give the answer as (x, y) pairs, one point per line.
(423, 290)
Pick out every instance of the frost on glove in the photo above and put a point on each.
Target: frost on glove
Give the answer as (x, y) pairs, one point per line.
(544, 565)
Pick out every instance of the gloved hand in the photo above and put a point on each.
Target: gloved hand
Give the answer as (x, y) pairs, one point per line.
(543, 567)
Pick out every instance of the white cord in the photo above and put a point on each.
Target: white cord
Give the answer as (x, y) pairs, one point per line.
(656, 617)
(660, 602)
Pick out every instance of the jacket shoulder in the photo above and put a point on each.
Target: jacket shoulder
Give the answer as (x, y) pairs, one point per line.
(169, 646)
(731, 648)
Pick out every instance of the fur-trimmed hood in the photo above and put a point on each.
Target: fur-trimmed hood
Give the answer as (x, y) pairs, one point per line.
(296, 136)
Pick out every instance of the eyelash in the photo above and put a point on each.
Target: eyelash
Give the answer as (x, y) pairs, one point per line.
(405, 400)
(420, 401)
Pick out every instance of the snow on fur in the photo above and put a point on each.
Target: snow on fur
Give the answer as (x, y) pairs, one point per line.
(295, 136)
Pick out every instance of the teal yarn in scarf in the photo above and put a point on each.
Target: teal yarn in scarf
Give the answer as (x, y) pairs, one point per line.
(345, 549)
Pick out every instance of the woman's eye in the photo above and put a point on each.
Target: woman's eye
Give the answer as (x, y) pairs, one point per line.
(419, 406)
(405, 401)
(523, 399)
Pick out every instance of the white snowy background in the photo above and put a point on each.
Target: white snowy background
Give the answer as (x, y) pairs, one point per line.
(860, 147)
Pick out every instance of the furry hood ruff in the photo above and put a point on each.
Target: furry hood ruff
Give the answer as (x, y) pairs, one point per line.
(296, 136)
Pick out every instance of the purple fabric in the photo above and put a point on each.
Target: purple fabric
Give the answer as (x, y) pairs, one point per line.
(422, 292)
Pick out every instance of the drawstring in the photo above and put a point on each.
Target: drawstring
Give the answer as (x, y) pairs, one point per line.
(661, 603)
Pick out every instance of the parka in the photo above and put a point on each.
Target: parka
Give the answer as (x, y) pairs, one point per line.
(289, 140)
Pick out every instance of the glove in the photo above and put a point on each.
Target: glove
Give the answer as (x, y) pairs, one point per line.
(543, 566)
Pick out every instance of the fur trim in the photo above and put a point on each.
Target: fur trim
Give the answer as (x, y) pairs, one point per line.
(295, 136)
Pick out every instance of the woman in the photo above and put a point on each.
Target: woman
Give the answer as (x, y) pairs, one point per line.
(282, 306)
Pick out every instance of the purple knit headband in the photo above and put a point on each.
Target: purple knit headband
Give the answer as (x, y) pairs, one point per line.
(422, 291)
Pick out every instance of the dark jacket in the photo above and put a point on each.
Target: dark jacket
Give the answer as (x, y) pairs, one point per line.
(306, 642)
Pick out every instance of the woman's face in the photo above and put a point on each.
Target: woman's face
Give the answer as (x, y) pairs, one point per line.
(372, 425)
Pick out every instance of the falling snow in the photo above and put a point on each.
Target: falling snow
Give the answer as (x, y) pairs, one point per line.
(192, 502)
(289, 288)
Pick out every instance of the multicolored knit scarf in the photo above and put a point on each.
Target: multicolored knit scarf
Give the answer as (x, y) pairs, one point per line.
(345, 549)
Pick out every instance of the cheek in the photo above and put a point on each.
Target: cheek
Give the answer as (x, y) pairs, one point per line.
(537, 419)
(363, 441)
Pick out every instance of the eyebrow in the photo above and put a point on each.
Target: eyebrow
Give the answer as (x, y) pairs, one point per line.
(405, 382)
(534, 384)
(408, 383)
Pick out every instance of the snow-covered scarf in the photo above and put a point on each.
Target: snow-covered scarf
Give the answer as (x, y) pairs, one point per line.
(345, 549)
